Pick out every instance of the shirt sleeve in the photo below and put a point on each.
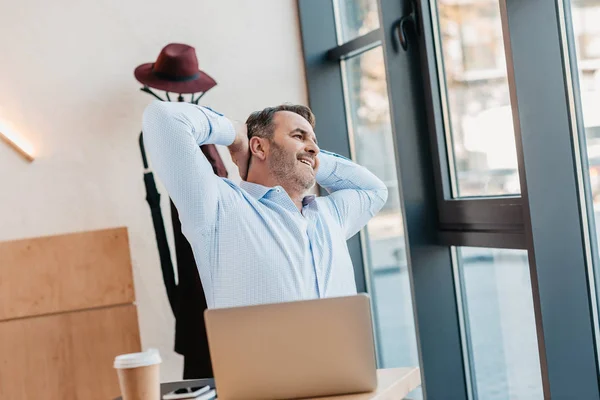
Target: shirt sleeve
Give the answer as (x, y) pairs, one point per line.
(355, 193)
(173, 133)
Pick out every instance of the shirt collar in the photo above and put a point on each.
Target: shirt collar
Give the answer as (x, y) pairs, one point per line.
(259, 191)
(254, 189)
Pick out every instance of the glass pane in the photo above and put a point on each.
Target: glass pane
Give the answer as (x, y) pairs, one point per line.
(386, 267)
(355, 18)
(480, 131)
(586, 27)
(586, 34)
(500, 324)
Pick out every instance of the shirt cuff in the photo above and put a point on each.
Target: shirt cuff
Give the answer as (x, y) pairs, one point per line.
(327, 164)
(221, 130)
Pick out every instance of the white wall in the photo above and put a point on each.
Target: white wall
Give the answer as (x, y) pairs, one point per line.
(67, 85)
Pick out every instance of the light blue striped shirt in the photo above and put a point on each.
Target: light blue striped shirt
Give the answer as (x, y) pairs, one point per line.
(251, 243)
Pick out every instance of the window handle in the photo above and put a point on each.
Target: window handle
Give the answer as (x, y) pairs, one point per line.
(400, 26)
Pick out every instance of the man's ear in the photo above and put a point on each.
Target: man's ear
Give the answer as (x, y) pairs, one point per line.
(258, 147)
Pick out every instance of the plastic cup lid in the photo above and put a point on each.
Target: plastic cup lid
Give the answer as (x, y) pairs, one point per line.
(135, 360)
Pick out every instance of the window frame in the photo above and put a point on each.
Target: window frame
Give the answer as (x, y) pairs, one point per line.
(500, 218)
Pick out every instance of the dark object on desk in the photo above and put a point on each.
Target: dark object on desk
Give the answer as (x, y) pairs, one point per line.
(191, 392)
(171, 386)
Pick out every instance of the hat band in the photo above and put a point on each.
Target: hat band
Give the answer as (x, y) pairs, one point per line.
(172, 78)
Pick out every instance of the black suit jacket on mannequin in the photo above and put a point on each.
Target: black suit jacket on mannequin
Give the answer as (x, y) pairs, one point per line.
(190, 332)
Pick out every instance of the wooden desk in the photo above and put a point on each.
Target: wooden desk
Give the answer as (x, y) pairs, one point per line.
(393, 384)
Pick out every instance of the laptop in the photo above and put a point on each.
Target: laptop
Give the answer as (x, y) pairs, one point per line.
(293, 350)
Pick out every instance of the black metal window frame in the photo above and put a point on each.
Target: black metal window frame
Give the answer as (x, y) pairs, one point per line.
(490, 221)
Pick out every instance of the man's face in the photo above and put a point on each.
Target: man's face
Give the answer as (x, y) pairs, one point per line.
(293, 150)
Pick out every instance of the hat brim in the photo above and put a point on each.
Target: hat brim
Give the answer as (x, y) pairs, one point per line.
(144, 75)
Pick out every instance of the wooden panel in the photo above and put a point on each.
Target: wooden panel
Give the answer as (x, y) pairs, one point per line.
(66, 356)
(64, 273)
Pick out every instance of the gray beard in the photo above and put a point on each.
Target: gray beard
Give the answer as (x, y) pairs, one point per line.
(283, 167)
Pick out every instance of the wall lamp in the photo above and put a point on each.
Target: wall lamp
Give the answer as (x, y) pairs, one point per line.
(19, 144)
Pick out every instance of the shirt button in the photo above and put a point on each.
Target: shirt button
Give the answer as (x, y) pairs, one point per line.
(278, 190)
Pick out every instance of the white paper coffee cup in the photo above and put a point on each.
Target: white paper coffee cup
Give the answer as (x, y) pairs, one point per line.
(139, 375)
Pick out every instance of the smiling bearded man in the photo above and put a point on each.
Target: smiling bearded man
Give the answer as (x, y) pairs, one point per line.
(264, 240)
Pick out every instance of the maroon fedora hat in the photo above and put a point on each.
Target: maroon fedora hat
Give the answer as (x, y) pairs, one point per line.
(175, 70)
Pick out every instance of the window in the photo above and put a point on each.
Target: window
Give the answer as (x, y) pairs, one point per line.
(586, 18)
(480, 125)
(356, 18)
(586, 14)
(369, 122)
(498, 309)
(585, 45)
(370, 131)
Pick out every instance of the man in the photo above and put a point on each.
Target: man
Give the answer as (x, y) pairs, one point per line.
(263, 241)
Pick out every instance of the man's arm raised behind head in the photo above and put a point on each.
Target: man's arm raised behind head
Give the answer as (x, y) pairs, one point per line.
(355, 194)
(172, 135)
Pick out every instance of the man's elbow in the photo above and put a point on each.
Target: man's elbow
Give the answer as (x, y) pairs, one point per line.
(380, 198)
(153, 114)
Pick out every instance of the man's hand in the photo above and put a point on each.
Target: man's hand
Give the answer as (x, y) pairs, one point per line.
(239, 149)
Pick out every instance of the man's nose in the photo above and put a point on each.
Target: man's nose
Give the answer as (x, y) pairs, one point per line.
(312, 148)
